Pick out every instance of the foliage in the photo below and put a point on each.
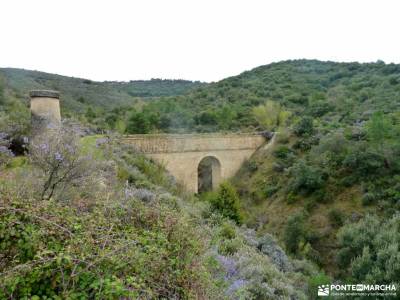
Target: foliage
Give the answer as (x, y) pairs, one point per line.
(226, 201)
(271, 115)
(294, 233)
(56, 154)
(369, 250)
(305, 178)
(336, 217)
(315, 281)
(304, 126)
(112, 243)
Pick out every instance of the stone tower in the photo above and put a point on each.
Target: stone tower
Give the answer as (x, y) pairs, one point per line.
(45, 110)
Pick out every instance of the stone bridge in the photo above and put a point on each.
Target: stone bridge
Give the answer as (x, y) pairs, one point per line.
(198, 161)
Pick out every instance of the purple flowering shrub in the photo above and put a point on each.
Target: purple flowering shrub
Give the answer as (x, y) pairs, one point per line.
(57, 155)
(251, 271)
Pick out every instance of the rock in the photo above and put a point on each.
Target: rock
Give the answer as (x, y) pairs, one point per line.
(267, 134)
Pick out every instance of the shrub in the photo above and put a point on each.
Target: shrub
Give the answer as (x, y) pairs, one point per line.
(270, 190)
(304, 127)
(369, 249)
(282, 152)
(294, 233)
(306, 143)
(364, 162)
(310, 204)
(229, 247)
(304, 178)
(368, 198)
(227, 202)
(227, 231)
(314, 282)
(57, 154)
(336, 217)
(251, 165)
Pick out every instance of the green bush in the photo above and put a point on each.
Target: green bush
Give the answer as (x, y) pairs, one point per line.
(227, 231)
(304, 127)
(369, 198)
(283, 152)
(270, 190)
(294, 232)
(365, 162)
(226, 201)
(314, 282)
(306, 143)
(336, 217)
(229, 247)
(305, 179)
(370, 251)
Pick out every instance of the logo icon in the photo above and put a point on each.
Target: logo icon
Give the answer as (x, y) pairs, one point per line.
(323, 290)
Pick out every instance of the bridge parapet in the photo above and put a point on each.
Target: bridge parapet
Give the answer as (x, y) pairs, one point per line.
(174, 143)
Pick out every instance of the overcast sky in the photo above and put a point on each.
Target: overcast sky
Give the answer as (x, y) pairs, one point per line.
(203, 40)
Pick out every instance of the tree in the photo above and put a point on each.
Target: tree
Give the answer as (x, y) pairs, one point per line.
(138, 123)
(304, 178)
(57, 154)
(271, 115)
(225, 117)
(304, 127)
(294, 232)
(90, 114)
(227, 202)
(379, 128)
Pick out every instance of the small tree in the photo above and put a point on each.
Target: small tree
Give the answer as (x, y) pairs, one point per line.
(227, 202)
(304, 127)
(305, 179)
(57, 155)
(294, 233)
(271, 115)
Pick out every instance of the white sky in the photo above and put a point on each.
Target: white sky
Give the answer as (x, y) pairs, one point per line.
(203, 40)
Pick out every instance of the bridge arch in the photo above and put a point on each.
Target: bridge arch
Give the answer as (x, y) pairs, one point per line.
(208, 173)
(181, 154)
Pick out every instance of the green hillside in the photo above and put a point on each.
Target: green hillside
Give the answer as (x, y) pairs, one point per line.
(320, 205)
(335, 160)
(78, 94)
(333, 93)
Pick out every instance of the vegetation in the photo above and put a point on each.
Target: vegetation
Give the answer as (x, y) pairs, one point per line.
(226, 201)
(369, 250)
(327, 191)
(88, 218)
(86, 100)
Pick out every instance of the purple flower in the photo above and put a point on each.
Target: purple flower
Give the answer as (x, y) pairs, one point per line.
(229, 265)
(44, 147)
(101, 141)
(237, 284)
(58, 156)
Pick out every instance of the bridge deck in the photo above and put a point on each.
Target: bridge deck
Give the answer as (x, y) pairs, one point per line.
(171, 143)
